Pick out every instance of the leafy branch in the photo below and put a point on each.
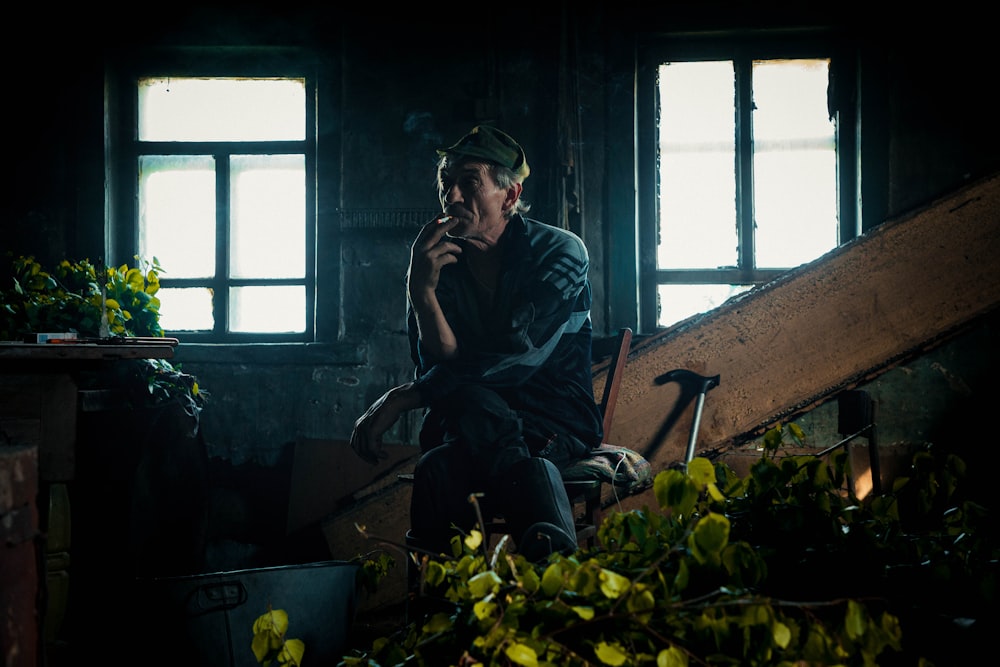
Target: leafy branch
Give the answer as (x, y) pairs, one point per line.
(730, 570)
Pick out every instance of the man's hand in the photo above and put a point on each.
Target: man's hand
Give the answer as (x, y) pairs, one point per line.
(366, 439)
(430, 251)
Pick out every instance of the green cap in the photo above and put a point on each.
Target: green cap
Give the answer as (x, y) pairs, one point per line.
(492, 145)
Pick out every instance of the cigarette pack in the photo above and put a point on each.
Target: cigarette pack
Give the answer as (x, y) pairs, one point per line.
(48, 337)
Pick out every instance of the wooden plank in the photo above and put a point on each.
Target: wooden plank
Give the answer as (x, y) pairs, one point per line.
(327, 474)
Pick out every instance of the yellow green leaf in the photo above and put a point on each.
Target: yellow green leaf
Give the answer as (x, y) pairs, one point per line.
(586, 613)
(552, 579)
(781, 633)
(484, 583)
(275, 621)
(701, 471)
(522, 654)
(643, 601)
(613, 584)
(439, 622)
(135, 280)
(483, 609)
(259, 644)
(292, 652)
(856, 620)
(280, 620)
(435, 573)
(709, 538)
(717, 495)
(529, 580)
(610, 654)
(672, 657)
(675, 492)
(473, 539)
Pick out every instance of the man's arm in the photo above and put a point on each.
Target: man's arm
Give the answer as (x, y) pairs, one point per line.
(429, 252)
(366, 439)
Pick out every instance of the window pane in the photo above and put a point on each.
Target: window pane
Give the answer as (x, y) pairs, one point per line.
(679, 302)
(273, 309)
(186, 309)
(697, 198)
(268, 216)
(795, 163)
(177, 213)
(236, 109)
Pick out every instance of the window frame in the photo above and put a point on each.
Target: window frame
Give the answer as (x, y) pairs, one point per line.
(742, 48)
(123, 151)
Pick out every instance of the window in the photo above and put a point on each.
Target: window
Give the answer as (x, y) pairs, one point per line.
(221, 167)
(746, 172)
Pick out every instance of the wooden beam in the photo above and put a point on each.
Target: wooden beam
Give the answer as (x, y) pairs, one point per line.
(841, 320)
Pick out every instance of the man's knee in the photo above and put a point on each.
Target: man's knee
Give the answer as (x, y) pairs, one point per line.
(435, 464)
(479, 421)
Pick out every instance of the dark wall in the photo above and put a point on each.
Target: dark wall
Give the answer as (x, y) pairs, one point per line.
(409, 80)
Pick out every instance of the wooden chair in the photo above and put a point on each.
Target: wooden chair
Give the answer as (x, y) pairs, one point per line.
(625, 469)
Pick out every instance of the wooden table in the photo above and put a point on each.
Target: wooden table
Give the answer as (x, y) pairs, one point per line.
(39, 404)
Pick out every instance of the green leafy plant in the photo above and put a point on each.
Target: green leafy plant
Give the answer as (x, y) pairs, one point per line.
(269, 643)
(374, 567)
(69, 297)
(782, 567)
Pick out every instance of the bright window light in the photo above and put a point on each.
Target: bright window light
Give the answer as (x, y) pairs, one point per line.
(697, 154)
(220, 109)
(795, 163)
(226, 220)
(279, 309)
(177, 213)
(268, 203)
(704, 222)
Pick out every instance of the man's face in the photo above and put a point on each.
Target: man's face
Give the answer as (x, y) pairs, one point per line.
(469, 192)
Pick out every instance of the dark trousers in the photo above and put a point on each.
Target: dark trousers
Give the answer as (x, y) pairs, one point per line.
(475, 444)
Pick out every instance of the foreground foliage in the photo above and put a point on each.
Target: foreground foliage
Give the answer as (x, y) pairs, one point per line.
(782, 567)
(269, 644)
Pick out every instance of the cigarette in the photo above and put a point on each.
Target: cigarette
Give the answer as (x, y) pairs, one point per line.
(443, 220)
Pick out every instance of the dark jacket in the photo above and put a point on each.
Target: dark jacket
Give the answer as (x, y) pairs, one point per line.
(532, 345)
